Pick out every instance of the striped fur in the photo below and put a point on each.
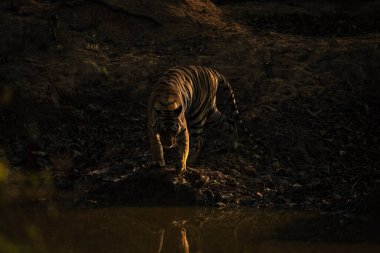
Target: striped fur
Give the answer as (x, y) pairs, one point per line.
(181, 103)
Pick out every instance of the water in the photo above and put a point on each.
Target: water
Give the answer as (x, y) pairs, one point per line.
(38, 228)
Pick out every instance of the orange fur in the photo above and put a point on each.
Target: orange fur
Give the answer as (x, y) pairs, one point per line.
(180, 104)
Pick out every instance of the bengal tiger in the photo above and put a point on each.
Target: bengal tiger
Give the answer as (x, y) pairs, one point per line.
(181, 103)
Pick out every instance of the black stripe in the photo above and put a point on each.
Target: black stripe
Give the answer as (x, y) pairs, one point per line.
(196, 131)
(181, 132)
(166, 104)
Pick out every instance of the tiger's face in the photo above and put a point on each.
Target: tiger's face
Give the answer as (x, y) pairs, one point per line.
(168, 119)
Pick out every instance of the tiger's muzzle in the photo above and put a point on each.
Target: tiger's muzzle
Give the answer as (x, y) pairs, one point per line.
(167, 138)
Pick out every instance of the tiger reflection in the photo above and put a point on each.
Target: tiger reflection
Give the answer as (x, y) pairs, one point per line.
(181, 244)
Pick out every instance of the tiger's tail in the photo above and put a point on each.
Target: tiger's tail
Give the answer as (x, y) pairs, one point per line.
(231, 97)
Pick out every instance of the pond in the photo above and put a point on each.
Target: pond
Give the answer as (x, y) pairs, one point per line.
(38, 228)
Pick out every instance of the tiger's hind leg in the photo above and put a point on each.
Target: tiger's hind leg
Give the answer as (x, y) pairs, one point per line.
(220, 121)
(196, 146)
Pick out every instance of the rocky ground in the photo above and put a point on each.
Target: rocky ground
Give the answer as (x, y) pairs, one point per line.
(306, 77)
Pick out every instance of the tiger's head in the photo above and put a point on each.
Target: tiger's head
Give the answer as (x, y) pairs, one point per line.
(168, 119)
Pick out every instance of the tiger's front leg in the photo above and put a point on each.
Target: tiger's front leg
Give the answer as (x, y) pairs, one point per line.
(156, 148)
(183, 148)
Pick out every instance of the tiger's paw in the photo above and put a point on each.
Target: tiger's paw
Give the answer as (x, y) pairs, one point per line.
(237, 147)
(159, 164)
(180, 168)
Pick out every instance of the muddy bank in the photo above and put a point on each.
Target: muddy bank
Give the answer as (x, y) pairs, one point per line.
(306, 83)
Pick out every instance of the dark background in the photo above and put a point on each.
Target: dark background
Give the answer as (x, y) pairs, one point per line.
(305, 74)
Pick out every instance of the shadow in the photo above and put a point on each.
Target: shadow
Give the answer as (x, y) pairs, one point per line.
(313, 18)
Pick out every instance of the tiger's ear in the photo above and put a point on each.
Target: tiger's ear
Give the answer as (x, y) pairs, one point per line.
(178, 110)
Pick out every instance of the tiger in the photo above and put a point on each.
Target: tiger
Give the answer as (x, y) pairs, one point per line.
(181, 103)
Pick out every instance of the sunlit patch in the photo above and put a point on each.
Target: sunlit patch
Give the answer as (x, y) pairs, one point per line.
(4, 171)
(8, 246)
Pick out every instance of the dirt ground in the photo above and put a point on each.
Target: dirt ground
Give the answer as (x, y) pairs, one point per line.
(305, 74)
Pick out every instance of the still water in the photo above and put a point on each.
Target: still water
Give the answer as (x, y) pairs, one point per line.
(37, 229)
